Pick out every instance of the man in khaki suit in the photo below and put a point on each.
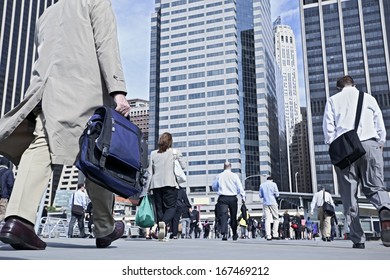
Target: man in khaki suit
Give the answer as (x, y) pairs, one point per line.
(78, 69)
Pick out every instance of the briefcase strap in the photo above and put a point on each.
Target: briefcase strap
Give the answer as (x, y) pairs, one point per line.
(359, 109)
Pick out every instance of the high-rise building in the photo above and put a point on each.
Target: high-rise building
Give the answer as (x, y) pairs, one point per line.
(139, 115)
(349, 37)
(17, 28)
(213, 86)
(286, 58)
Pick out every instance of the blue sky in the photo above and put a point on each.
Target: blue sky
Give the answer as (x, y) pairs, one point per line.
(133, 18)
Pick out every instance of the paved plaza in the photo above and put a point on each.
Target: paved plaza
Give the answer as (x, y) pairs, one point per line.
(199, 249)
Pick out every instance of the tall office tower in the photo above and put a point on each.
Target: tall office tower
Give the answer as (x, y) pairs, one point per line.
(139, 115)
(286, 58)
(212, 85)
(343, 38)
(17, 19)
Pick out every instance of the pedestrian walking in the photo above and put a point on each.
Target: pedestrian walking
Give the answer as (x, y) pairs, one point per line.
(182, 206)
(78, 205)
(323, 216)
(296, 225)
(162, 181)
(6, 185)
(286, 225)
(228, 185)
(309, 228)
(194, 222)
(268, 193)
(78, 69)
(339, 115)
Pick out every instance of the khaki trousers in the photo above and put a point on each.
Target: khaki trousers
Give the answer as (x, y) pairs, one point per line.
(271, 215)
(325, 225)
(33, 177)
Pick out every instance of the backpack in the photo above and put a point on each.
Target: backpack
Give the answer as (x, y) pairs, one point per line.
(110, 152)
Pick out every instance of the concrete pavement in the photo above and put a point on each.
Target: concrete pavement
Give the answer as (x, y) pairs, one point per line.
(199, 249)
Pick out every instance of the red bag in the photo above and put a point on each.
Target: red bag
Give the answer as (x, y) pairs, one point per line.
(294, 226)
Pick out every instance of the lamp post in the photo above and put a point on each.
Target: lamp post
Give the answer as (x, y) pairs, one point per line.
(296, 181)
(251, 176)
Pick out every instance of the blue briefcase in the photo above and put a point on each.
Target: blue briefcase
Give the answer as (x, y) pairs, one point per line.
(110, 152)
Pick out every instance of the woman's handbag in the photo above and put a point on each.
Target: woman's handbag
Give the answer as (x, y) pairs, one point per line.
(145, 213)
(178, 171)
(294, 226)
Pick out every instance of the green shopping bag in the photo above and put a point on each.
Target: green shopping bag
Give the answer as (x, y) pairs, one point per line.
(145, 213)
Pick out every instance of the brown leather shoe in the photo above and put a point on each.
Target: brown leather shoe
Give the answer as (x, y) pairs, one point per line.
(106, 241)
(20, 235)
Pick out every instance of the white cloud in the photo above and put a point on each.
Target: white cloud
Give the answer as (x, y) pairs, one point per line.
(279, 7)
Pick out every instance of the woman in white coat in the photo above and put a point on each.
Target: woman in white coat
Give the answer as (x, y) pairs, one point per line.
(163, 181)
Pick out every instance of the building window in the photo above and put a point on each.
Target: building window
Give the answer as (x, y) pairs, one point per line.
(215, 83)
(215, 93)
(179, 87)
(196, 75)
(196, 85)
(178, 77)
(197, 143)
(196, 95)
(179, 97)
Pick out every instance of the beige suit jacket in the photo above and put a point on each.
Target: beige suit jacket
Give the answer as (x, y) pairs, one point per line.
(161, 169)
(78, 66)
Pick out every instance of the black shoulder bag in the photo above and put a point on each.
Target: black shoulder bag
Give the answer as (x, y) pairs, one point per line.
(77, 210)
(347, 148)
(327, 207)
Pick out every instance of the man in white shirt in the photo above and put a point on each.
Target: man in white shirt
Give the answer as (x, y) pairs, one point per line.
(323, 217)
(269, 192)
(339, 117)
(78, 204)
(228, 186)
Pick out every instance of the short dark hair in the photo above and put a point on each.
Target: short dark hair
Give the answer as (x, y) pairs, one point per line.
(270, 178)
(79, 186)
(344, 81)
(227, 165)
(165, 142)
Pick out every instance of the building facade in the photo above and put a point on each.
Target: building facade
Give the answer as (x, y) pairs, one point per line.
(286, 58)
(348, 37)
(17, 19)
(212, 85)
(139, 115)
(300, 161)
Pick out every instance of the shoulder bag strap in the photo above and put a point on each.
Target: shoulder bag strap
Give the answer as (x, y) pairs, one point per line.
(323, 197)
(359, 109)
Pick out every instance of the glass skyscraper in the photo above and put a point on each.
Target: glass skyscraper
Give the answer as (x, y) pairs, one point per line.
(348, 37)
(17, 19)
(213, 86)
